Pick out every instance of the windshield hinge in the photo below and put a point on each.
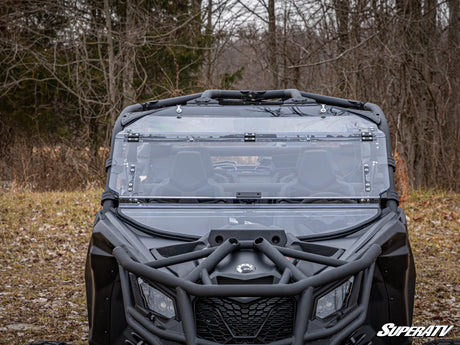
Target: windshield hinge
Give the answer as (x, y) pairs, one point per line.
(367, 136)
(249, 136)
(133, 137)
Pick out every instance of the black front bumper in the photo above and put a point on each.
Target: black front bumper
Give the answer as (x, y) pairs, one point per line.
(281, 313)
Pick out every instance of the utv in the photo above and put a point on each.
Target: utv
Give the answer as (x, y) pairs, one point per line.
(249, 217)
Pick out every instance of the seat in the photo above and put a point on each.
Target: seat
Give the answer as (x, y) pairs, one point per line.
(188, 178)
(317, 175)
(154, 162)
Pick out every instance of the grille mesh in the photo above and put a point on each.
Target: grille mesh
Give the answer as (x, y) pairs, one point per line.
(259, 321)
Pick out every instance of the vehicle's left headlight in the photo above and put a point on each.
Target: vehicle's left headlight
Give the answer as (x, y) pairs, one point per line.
(156, 300)
(334, 300)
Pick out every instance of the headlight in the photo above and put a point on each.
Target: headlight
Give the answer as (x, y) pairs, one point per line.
(156, 300)
(334, 300)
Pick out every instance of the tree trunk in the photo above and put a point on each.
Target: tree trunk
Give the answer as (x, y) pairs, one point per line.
(272, 46)
(342, 12)
(111, 82)
(208, 32)
(128, 50)
(454, 23)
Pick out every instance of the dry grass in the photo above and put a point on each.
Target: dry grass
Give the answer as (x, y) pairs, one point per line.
(434, 230)
(401, 176)
(44, 239)
(61, 167)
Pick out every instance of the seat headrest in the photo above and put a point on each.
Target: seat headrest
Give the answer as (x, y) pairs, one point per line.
(188, 171)
(207, 162)
(149, 151)
(316, 169)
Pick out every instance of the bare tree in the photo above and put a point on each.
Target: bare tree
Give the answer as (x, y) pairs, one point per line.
(69, 67)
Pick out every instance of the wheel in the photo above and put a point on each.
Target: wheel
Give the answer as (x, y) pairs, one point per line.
(45, 342)
(443, 342)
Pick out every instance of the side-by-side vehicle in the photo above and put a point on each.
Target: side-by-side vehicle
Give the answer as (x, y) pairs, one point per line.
(249, 217)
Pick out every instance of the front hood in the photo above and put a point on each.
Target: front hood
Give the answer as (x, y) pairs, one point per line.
(237, 277)
(247, 266)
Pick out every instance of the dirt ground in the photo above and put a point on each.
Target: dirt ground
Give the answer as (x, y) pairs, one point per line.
(44, 239)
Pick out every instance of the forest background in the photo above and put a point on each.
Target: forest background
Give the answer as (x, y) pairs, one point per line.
(68, 68)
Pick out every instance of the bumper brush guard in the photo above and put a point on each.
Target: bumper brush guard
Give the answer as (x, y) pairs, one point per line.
(293, 284)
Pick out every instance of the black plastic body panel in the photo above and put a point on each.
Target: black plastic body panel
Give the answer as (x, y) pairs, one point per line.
(391, 293)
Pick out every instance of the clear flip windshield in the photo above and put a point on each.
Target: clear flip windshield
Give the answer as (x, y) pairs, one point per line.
(269, 159)
(301, 220)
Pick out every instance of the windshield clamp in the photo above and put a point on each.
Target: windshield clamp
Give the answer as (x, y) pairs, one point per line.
(367, 136)
(132, 170)
(251, 137)
(133, 137)
(367, 180)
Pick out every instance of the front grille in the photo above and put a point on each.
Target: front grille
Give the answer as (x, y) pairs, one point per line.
(258, 321)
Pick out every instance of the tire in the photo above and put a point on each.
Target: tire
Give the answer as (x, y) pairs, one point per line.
(45, 342)
(443, 342)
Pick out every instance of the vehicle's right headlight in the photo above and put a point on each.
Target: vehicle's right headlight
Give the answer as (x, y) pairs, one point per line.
(156, 300)
(334, 300)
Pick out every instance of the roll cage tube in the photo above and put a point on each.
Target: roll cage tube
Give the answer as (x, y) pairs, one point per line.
(133, 112)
